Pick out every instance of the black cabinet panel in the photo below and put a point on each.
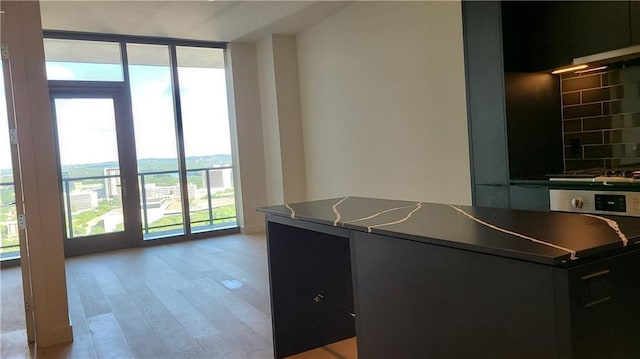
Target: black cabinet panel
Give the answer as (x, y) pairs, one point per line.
(425, 301)
(605, 312)
(534, 198)
(597, 26)
(515, 34)
(302, 265)
(485, 91)
(634, 10)
(534, 124)
(494, 196)
(549, 44)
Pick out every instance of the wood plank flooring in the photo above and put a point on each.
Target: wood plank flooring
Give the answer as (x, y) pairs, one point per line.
(199, 299)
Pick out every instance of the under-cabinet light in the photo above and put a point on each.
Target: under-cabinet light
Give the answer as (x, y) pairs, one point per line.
(568, 69)
(593, 69)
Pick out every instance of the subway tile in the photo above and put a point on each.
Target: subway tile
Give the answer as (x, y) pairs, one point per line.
(633, 150)
(571, 98)
(613, 107)
(632, 120)
(584, 138)
(630, 74)
(569, 75)
(590, 110)
(603, 123)
(605, 151)
(628, 105)
(572, 153)
(581, 83)
(610, 163)
(626, 135)
(603, 94)
(621, 162)
(572, 125)
(574, 165)
(611, 78)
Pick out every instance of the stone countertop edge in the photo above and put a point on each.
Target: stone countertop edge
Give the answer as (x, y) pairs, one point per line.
(327, 212)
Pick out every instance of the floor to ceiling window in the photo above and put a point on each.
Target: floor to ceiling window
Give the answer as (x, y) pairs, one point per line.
(143, 138)
(207, 138)
(9, 240)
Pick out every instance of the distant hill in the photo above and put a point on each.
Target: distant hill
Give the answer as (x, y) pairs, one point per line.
(144, 165)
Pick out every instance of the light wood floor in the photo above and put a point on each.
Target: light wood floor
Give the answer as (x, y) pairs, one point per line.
(200, 299)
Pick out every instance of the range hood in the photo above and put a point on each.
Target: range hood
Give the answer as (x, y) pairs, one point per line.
(618, 55)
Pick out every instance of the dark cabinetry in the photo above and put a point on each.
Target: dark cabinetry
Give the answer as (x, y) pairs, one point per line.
(543, 35)
(530, 197)
(598, 26)
(634, 10)
(513, 102)
(535, 35)
(485, 102)
(585, 312)
(549, 44)
(534, 126)
(501, 150)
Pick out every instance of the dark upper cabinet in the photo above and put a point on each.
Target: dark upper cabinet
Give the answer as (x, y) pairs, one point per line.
(515, 36)
(535, 35)
(634, 10)
(598, 26)
(549, 43)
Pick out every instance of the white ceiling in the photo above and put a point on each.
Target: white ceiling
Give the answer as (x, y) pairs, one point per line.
(187, 19)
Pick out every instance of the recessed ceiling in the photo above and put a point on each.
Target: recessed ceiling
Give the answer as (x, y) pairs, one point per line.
(193, 20)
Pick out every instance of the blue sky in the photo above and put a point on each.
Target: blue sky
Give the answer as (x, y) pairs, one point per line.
(88, 124)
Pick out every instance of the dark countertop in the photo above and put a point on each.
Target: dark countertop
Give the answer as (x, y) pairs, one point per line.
(545, 237)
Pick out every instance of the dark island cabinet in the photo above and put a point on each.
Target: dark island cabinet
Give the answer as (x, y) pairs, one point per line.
(634, 9)
(425, 280)
(465, 305)
(598, 26)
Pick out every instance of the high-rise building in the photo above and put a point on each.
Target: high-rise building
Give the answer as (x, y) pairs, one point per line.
(83, 200)
(219, 179)
(112, 184)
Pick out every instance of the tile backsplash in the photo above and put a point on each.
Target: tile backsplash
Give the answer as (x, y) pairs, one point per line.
(601, 118)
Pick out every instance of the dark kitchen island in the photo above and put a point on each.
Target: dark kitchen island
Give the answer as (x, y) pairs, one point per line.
(423, 280)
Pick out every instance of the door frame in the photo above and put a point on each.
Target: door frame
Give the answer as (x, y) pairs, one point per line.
(132, 235)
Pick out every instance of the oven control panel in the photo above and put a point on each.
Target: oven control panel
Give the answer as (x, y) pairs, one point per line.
(596, 202)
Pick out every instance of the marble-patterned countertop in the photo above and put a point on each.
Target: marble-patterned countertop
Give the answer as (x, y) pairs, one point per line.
(545, 237)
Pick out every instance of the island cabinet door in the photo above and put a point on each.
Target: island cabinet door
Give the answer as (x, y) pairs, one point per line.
(417, 300)
(310, 282)
(601, 309)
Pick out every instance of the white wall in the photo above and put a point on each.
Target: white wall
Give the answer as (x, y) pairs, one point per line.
(289, 116)
(383, 103)
(281, 123)
(270, 125)
(246, 135)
